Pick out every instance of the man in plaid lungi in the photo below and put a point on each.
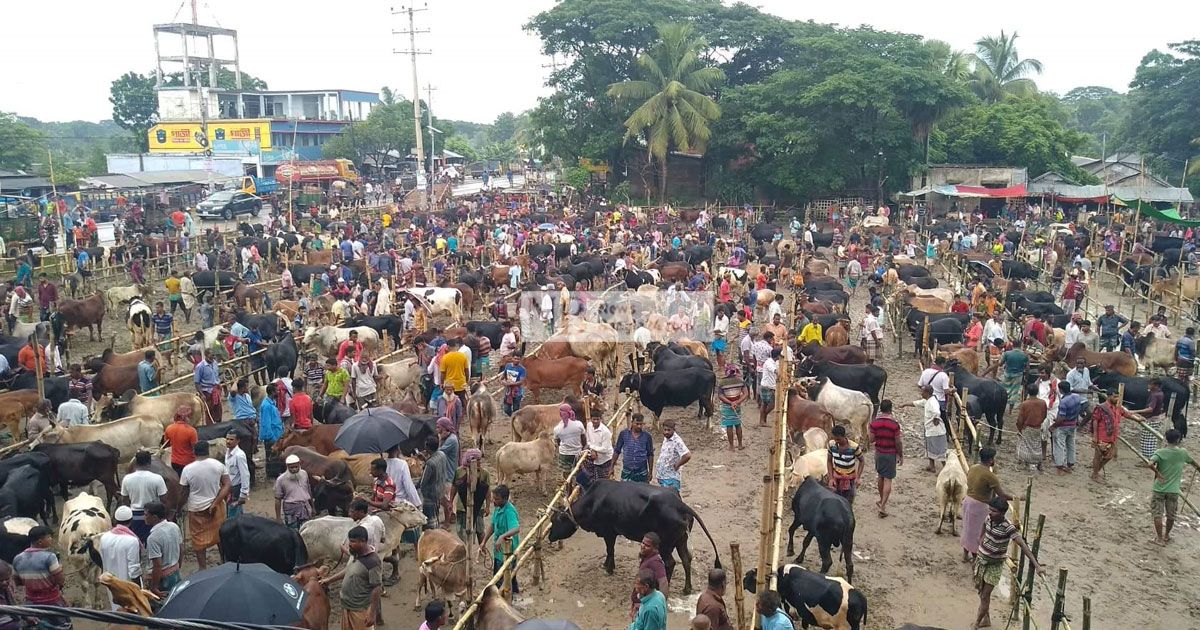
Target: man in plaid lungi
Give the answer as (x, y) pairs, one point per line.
(872, 334)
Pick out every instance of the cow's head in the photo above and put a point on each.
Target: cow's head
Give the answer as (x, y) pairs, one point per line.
(630, 383)
(562, 525)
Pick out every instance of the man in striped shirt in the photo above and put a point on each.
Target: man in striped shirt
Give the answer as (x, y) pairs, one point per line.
(845, 463)
(993, 548)
(884, 434)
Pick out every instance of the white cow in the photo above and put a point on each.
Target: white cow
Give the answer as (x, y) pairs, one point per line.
(440, 300)
(162, 407)
(325, 537)
(398, 377)
(117, 296)
(22, 330)
(327, 339)
(84, 520)
(951, 488)
(139, 322)
(847, 407)
(1158, 353)
(128, 435)
(526, 457)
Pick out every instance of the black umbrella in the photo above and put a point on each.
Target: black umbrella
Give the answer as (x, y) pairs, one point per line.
(235, 592)
(374, 430)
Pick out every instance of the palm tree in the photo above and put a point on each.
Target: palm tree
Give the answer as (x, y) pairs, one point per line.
(1000, 71)
(673, 89)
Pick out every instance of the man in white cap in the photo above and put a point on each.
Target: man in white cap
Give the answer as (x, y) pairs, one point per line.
(293, 500)
(120, 549)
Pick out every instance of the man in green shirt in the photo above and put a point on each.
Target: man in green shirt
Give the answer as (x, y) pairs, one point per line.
(336, 379)
(652, 613)
(362, 582)
(504, 528)
(1014, 361)
(1167, 464)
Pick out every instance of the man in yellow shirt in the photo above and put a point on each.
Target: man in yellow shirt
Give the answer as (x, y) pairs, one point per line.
(387, 220)
(454, 366)
(812, 333)
(175, 294)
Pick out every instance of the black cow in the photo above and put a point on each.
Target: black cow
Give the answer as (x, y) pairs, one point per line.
(832, 296)
(582, 272)
(494, 331)
(250, 538)
(55, 387)
(912, 271)
(633, 279)
(1018, 269)
(666, 359)
(303, 273)
(868, 379)
(393, 325)
(679, 388)
(1041, 309)
(281, 354)
(82, 463)
(807, 591)
(763, 232)
(822, 283)
(697, 254)
(331, 412)
(1170, 257)
(914, 319)
(206, 281)
(922, 282)
(539, 250)
(1163, 243)
(826, 517)
(941, 332)
(11, 544)
(24, 493)
(993, 398)
(1137, 393)
(267, 325)
(610, 508)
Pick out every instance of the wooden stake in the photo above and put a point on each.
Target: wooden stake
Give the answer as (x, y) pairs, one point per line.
(1030, 575)
(739, 597)
(1056, 618)
(469, 502)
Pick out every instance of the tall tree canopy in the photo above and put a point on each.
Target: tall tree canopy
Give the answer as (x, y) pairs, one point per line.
(1162, 97)
(1097, 112)
(135, 106)
(1000, 70)
(674, 108)
(20, 144)
(384, 137)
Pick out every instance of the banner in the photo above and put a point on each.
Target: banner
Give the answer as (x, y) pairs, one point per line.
(233, 136)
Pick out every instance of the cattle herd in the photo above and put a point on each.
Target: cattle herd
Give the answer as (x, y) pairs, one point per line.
(505, 277)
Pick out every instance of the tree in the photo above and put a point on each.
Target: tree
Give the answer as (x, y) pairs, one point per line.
(384, 138)
(387, 96)
(999, 69)
(676, 108)
(1097, 112)
(135, 106)
(20, 145)
(1160, 119)
(503, 128)
(226, 80)
(1023, 131)
(462, 146)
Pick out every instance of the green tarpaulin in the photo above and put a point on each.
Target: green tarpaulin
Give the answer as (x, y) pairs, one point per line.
(1170, 215)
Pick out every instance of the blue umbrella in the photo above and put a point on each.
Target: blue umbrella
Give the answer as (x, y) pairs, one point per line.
(240, 593)
(547, 226)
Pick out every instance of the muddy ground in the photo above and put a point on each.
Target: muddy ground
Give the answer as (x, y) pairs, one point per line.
(1100, 533)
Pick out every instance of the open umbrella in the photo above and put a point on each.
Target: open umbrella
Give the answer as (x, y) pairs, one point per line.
(374, 430)
(242, 593)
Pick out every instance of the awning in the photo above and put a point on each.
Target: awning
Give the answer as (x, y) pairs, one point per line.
(1170, 215)
(920, 192)
(981, 192)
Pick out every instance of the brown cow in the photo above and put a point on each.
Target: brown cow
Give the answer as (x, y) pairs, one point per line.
(531, 420)
(675, 271)
(837, 335)
(968, 357)
(319, 438)
(851, 355)
(319, 257)
(805, 414)
(316, 605)
(314, 463)
(110, 357)
(929, 305)
(815, 308)
(86, 312)
(115, 379)
(468, 297)
(247, 297)
(543, 373)
(1119, 362)
(442, 565)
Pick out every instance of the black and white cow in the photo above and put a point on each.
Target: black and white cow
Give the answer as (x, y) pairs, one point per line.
(825, 602)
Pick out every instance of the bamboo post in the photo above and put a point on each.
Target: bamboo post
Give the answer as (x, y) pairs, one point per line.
(1027, 585)
(739, 597)
(924, 343)
(1015, 554)
(781, 435)
(1087, 613)
(1057, 617)
(469, 502)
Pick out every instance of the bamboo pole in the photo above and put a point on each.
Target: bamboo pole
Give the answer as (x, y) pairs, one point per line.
(781, 435)
(469, 502)
(1087, 613)
(1027, 586)
(1057, 617)
(739, 597)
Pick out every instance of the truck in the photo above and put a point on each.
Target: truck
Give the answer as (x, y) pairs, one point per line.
(316, 172)
(260, 186)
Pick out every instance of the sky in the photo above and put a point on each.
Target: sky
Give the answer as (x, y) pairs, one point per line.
(481, 62)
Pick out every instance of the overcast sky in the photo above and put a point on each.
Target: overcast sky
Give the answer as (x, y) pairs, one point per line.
(61, 55)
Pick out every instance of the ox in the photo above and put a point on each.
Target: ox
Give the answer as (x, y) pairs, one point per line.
(951, 488)
(542, 373)
(84, 520)
(827, 517)
(825, 602)
(526, 457)
(327, 339)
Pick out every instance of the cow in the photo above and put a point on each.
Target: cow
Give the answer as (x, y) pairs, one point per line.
(162, 407)
(846, 355)
(54, 387)
(398, 377)
(25, 492)
(327, 339)
(609, 509)
(481, 412)
(319, 464)
(316, 603)
(138, 320)
(531, 420)
(173, 499)
(85, 518)
(533, 456)
(1018, 269)
(993, 398)
(208, 282)
(804, 414)
(586, 340)
(118, 296)
(392, 325)
(330, 411)
(679, 388)
(250, 538)
(541, 373)
(951, 488)
(853, 406)
(325, 537)
(1120, 362)
(819, 600)
(826, 516)
(115, 379)
(666, 360)
(87, 312)
(127, 435)
(968, 357)
(282, 355)
(128, 596)
(495, 613)
(440, 300)
(441, 565)
(868, 379)
(1137, 394)
(80, 465)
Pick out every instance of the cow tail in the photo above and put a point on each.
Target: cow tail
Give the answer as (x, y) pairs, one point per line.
(716, 554)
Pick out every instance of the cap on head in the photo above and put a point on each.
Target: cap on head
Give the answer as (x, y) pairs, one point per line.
(292, 459)
(123, 514)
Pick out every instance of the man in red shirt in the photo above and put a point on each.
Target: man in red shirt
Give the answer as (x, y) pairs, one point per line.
(1071, 294)
(960, 305)
(182, 437)
(1106, 426)
(884, 433)
(301, 406)
(350, 344)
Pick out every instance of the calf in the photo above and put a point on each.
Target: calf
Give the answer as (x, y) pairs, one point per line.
(481, 411)
(84, 520)
(813, 464)
(442, 566)
(139, 323)
(553, 374)
(611, 508)
(951, 488)
(526, 457)
(24, 494)
(825, 602)
(398, 377)
(319, 438)
(826, 517)
(316, 604)
(250, 538)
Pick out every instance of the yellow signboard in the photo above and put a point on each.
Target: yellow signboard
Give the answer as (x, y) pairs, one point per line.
(223, 136)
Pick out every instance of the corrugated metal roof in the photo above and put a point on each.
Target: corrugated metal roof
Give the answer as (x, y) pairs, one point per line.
(16, 182)
(191, 176)
(1145, 193)
(114, 181)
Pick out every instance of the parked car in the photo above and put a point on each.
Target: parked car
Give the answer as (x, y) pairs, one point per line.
(227, 204)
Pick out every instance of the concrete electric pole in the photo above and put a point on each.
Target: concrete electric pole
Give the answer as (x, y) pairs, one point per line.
(412, 51)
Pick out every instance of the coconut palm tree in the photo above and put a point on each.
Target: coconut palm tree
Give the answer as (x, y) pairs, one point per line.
(1000, 71)
(673, 89)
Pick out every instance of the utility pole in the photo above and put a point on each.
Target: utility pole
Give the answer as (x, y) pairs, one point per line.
(195, 18)
(432, 141)
(416, 89)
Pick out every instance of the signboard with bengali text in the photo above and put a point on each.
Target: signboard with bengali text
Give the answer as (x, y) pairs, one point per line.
(223, 136)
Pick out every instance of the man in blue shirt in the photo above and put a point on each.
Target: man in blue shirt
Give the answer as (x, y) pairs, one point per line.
(347, 250)
(243, 406)
(1070, 405)
(637, 448)
(1129, 338)
(207, 379)
(1110, 328)
(147, 373)
(1185, 355)
(164, 322)
(652, 611)
(772, 614)
(514, 385)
